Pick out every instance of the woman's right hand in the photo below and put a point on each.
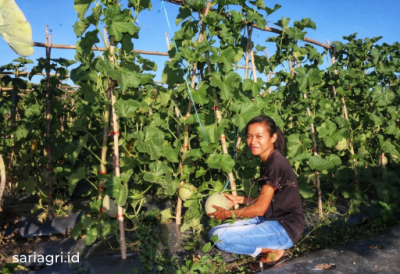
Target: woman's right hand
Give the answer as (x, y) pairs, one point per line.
(233, 200)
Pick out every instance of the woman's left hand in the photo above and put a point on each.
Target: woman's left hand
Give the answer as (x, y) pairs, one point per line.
(220, 214)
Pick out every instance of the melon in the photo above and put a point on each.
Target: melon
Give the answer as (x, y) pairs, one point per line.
(394, 157)
(216, 199)
(110, 207)
(341, 145)
(185, 191)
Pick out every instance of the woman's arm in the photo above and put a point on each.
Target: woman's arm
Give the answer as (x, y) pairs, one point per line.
(241, 200)
(259, 207)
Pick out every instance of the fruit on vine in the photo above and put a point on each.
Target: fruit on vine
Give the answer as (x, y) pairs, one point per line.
(110, 207)
(341, 145)
(394, 157)
(383, 161)
(216, 199)
(34, 145)
(185, 191)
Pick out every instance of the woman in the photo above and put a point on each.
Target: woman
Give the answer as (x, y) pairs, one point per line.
(276, 218)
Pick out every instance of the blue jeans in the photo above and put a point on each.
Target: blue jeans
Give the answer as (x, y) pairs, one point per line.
(248, 237)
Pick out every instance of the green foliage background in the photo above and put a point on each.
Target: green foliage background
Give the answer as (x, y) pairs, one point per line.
(364, 77)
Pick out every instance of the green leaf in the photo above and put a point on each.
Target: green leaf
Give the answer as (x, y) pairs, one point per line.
(318, 163)
(87, 221)
(14, 28)
(270, 11)
(76, 231)
(250, 188)
(382, 98)
(91, 235)
(127, 79)
(200, 96)
(184, 13)
(227, 85)
(122, 196)
(151, 143)
(207, 247)
(126, 108)
(166, 215)
(305, 23)
(159, 172)
(81, 6)
(117, 28)
(170, 153)
(213, 132)
(283, 23)
(223, 162)
(197, 5)
(74, 178)
(246, 113)
(305, 191)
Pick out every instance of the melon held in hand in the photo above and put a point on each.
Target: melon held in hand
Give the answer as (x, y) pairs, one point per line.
(216, 199)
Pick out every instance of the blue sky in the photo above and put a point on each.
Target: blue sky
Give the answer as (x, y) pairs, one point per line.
(333, 19)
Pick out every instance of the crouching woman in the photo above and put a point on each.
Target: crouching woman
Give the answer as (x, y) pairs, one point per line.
(273, 221)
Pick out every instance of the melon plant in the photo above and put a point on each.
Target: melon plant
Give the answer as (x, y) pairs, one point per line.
(185, 191)
(341, 145)
(216, 199)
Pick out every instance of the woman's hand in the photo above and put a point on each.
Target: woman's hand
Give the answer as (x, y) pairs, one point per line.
(233, 200)
(220, 214)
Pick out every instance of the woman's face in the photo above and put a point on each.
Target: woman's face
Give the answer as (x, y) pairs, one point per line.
(259, 141)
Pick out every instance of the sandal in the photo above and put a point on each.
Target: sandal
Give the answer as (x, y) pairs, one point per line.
(259, 265)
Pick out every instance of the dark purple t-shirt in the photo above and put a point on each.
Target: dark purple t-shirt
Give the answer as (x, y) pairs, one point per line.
(285, 206)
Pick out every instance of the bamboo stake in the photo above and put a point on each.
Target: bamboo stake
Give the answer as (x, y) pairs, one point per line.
(178, 127)
(57, 46)
(178, 212)
(189, 110)
(2, 181)
(103, 169)
(269, 73)
(50, 214)
(317, 178)
(103, 156)
(222, 137)
(347, 118)
(13, 124)
(315, 152)
(120, 215)
(382, 162)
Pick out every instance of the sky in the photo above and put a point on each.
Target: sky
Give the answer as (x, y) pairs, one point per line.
(334, 18)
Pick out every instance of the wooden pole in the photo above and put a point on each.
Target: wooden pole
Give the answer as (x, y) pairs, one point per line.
(117, 174)
(48, 120)
(57, 46)
(178, 212)
(345, 113)
(189, 110)
(103, 155)
(222, 137)
(315, 152)
(2, 181)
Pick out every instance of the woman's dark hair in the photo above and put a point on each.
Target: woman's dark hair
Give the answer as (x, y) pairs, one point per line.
(272, 128)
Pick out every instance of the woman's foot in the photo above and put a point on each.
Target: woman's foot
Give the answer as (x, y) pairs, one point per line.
(272, 256)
